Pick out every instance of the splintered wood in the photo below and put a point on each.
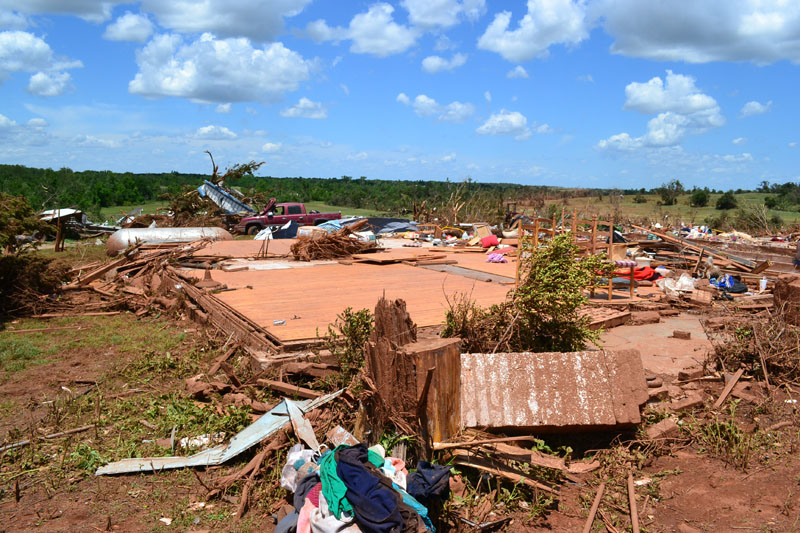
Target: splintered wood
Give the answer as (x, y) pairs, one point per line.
(332, 245)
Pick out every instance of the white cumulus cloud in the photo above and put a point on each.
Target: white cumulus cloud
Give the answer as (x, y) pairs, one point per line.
(547, 22)
(217, 70)
(442, 13)
(360, 156)
(754, 108)
(49, 84)
(271, 148)
(425, 106)
(488, 96)
(129, 27)
(681, 108)
(374, 32)
(223, 108)
(517, 73)
(258, 20)
(676, 93)
(699, 32)
(506, 123)
(12, 20)
(449, 157)
(305, 108)
(91, 10)
(22, 51)
(739, 141)
(434, 64)
(214, 133)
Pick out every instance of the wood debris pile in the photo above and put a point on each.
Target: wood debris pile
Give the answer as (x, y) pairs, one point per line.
(341, 243)
(136, 281)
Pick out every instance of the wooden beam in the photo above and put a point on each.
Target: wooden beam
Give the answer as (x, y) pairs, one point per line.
(288, 388)
(728, 388)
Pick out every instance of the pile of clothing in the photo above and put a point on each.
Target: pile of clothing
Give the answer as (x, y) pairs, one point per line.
(728, 283)
(355, 488)
(639, 274)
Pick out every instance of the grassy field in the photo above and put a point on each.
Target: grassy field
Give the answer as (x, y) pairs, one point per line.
(650, 210)
(112, 213)
(682, 211)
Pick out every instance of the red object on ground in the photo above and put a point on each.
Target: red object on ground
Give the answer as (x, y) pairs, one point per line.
(489, 240)
(639, 273)
(506, 250)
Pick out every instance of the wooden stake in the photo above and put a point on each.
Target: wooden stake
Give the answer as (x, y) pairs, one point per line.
(728, 388)
(587, 527)
(632, 501)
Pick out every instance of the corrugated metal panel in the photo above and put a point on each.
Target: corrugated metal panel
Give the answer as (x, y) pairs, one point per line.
(259, 430)
(551, 391)
(223, 198)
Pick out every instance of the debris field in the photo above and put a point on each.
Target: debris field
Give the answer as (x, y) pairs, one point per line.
(372, 421)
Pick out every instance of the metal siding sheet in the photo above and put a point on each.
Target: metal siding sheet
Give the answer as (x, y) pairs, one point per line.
(550, 390)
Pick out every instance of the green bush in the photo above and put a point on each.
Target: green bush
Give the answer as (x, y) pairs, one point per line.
(699, 198)
(727, 201)
(541, 315)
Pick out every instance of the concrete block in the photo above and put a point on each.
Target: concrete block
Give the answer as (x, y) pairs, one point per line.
(690, 373)
(693, 401)
(678, 334)
(667, 428)
(661, 394)
(639, 318)
(787, 297)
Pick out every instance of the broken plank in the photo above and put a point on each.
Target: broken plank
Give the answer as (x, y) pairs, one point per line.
(587, 527)
(42, 330)
(437, 446)
(502, 471)
(63, 315)
(728, 388)
(288, 388)
(97, 273)
(221, 359)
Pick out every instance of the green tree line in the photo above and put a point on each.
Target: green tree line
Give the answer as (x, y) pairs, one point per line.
(90, 190)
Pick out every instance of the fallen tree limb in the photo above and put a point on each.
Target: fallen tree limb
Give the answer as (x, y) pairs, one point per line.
(27, 442)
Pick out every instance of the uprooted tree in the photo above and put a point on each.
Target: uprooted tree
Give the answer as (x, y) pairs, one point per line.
(24, 277)
(541, 314)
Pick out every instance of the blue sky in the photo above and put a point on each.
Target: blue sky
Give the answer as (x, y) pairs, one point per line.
(598, 93)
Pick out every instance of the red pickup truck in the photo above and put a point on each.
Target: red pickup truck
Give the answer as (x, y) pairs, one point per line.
(275, 214)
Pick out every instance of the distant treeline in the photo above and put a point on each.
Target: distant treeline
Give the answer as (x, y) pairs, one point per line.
(90, 190)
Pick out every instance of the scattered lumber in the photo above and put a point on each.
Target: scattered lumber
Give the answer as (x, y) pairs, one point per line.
(288, 388)
(728, 388)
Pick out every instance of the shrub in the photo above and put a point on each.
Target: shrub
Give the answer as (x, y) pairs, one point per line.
(727, 201)
(347, 337)
(670, 192)
(699, 198)
(541, 315)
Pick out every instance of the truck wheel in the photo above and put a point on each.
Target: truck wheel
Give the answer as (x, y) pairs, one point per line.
(319, 221)
(253, 230)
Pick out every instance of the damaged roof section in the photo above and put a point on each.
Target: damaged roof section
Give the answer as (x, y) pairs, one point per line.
(552, 391)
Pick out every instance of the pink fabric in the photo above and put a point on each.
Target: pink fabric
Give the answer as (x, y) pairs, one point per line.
(313, 495)
(490, 240)
(398, 464)
(303, 519)
(506, 250)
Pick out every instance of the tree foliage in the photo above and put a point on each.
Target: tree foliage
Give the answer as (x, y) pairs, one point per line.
(670, 192)
(542, 313)
(17, 218)
(727, 201)
(699, 198)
